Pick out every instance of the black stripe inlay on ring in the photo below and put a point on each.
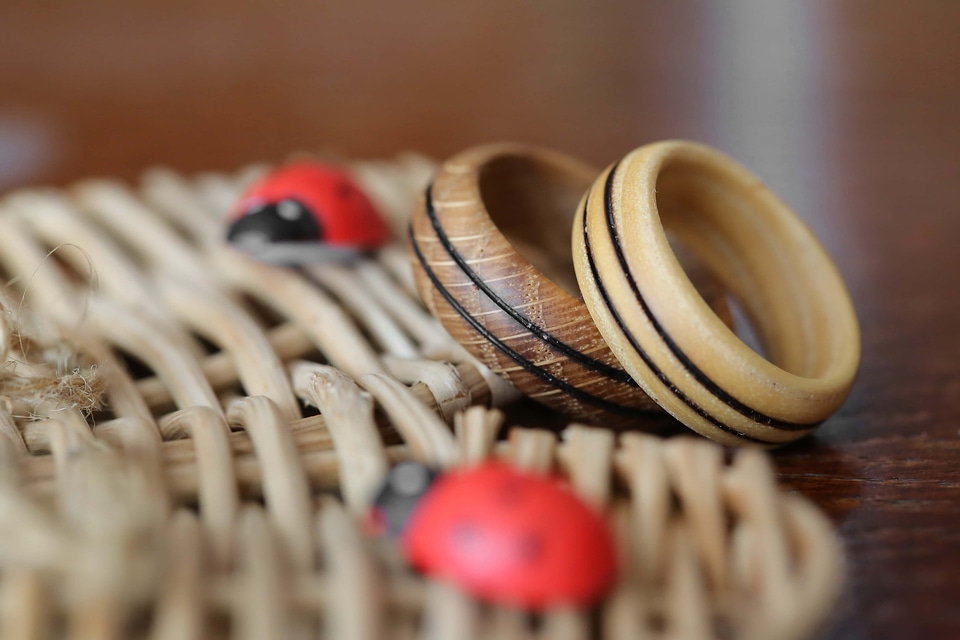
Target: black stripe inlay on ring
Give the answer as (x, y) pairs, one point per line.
(596, 366)
(688, 364)
(529, 366)
(643, 354)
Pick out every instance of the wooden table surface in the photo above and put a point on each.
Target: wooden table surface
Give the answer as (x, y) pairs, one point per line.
(850, 109)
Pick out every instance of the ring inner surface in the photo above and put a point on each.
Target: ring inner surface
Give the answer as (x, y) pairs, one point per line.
(533, 202)
(734, 231)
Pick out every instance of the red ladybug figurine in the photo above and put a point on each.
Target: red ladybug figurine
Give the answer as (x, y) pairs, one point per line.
(305, 212)
(502, 534)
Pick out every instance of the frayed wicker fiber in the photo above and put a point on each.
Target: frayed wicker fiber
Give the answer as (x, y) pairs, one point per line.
(206, 498)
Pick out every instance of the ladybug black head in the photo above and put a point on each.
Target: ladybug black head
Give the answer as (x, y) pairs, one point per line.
(404, 485)
(286, 221)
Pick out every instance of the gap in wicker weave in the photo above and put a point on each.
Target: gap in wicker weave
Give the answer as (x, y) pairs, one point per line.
(388, 433)
(67, 266)
(307, 410)
(656, 620)
(102, 415)
(208, 346)
(11, 290)
(137, 368)
(139, 626)
(533, 622)
(266, 317)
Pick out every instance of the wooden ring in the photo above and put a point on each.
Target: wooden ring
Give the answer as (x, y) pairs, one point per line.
(500, 304)
(664, 333)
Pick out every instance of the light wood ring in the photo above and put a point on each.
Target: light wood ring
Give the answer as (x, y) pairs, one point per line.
(504, 309)
(664, 333)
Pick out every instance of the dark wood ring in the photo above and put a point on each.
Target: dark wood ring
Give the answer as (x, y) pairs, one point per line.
(514, 303)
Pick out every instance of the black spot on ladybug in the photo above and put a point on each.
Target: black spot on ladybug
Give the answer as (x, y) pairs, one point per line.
(344, 190)
(465, 534)
(284, 221)
(530, 548)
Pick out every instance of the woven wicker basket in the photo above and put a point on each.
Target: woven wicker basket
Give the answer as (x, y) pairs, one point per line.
(209, 499)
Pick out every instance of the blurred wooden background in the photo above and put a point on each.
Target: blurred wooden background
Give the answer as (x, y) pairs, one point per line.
(848, 108)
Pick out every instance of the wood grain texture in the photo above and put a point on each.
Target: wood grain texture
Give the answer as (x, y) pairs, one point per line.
(521, 317)
(107, 88)
(662, 330)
